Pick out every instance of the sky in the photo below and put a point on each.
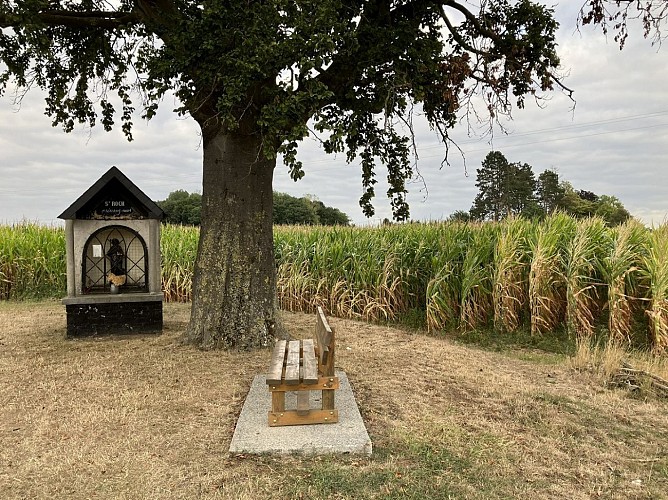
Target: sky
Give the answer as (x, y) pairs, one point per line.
(614, 142)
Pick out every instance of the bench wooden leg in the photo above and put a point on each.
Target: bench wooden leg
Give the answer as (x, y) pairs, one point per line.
(277, 401)
(303, 402)
(327, 399)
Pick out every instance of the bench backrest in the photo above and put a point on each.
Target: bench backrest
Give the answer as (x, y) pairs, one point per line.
(324, 334)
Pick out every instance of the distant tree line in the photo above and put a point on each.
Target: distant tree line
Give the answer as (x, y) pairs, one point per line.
(506, 188)
(182, 207)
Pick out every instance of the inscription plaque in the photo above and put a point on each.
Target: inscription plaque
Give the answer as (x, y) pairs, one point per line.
(115, 208)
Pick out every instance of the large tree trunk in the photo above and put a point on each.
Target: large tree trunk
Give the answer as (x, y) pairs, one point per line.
(235, 276)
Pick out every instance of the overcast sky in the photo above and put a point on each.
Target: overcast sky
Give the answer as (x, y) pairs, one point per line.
(615, 142)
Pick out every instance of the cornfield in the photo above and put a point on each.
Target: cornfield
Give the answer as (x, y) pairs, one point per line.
(178, 246)
(558, 273)
(32, 261)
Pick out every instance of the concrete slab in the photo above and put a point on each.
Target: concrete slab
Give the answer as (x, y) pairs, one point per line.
(253, 434)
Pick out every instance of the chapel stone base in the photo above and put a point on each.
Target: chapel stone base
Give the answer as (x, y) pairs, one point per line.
(113, 314)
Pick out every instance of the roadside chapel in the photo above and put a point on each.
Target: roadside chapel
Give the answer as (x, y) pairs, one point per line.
(112, 235)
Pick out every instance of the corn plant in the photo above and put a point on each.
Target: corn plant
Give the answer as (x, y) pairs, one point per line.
(443, 290)
(510, 291)
(620, 268)
(546, 285)
(582, 269)
(476, 278)
(655, 270)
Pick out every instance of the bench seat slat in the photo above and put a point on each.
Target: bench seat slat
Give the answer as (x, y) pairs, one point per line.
(275, 373)
(292, 363)
(310, 364)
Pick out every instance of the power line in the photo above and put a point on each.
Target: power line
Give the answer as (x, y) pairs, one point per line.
(565, 127)
(508, 146)
(196, 176)
(557, 139)
(539, 131)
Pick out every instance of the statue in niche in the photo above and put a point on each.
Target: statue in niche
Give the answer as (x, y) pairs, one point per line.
(116, 273)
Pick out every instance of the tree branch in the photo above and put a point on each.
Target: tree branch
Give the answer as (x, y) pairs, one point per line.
(455, 34)
(162, 15)
(563, 87)
(94, 19)
(482, 30)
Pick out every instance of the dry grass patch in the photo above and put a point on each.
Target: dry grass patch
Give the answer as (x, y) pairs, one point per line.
(144, 417)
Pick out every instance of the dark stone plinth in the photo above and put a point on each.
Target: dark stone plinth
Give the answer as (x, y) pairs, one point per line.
(114, 317)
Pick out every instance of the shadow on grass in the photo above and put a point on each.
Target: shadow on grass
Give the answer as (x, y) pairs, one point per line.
(557, 342)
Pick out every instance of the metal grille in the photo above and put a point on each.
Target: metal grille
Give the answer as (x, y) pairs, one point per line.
(115, 252)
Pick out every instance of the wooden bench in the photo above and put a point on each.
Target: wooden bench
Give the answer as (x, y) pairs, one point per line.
(303, 366)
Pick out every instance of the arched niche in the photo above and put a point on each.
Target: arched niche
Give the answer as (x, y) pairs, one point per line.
(115, 254)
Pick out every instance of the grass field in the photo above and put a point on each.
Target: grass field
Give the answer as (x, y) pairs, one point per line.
(146, 418)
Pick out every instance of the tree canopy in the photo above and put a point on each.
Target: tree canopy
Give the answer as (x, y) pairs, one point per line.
(581, 203)
(307, 210)
(271, 66)
(182, 207)
(510, 189)
(503, 189)
(548, 191)
(260, 76)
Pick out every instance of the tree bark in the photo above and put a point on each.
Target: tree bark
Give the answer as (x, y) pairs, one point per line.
(235, 277)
